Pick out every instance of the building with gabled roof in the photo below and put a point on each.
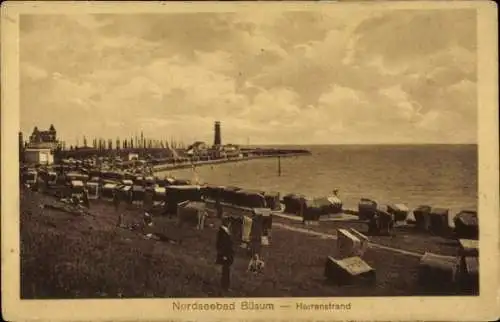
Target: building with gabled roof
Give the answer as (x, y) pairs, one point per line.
(40, 139)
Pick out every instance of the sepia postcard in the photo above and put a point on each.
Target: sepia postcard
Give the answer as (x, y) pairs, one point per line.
(305, 161)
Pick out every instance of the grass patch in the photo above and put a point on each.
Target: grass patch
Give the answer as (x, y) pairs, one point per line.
(66, 256)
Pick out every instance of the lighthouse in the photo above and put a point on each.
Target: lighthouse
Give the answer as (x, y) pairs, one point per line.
(217, 135)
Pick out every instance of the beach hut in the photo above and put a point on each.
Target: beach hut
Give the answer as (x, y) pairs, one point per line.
(327, 205)
(250, 199)
(438, 272)
(30, 177)
(469, 247)
(149, 181)
(250, 226)
(125, 193)
(159, 194)
(367, 208)
(439, 221)
(349, 271)
(382, 223)
(51, 178)
(229, 194)
(75, 176)
(127, 182)
(211, 192)
(336, 204)
(273, 200)
(170, 181)
(400, 211)
(177, 194)
(107, 190)
(466, 224)
(192, 213)
(254, 229)
(95, 180)
(137, 193)
(236, 222)
(310, 211)
(114, 175)
(139, 181)
(422, 217)
(266, 222)
(468, 274)
(93, 190)
(76, 188)
(350, 243)
(294, 203)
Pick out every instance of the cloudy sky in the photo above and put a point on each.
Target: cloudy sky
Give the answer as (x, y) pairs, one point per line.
(277, 78)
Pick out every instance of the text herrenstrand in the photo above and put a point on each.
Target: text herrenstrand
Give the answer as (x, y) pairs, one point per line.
(323, 307)
(200, 306)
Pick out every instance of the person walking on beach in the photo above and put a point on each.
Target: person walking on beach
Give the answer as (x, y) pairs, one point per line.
(225, 252)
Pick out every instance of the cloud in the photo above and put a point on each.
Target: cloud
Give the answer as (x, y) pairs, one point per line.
(295, 77)
(415, 34)
(32, 72)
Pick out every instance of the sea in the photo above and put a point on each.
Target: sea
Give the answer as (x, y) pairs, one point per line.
(435, 175)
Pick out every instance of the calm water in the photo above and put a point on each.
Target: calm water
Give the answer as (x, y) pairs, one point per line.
(438, 175)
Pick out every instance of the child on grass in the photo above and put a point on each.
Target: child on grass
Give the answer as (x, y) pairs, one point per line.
(256, 265)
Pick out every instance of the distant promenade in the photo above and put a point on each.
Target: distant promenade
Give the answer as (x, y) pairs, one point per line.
(190, 164)
(161, 159)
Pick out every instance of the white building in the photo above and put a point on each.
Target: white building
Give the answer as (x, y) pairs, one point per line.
(39, 156)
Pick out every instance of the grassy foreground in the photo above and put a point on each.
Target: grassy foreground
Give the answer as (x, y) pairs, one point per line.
(68, 256)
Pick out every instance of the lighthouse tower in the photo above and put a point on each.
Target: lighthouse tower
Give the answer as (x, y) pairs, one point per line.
(217, 135)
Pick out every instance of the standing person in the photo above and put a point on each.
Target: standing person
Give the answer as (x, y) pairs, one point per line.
(116, 200)
(225, 252)
(256, 234)
(202, 214)
(120, 220)
(85, 197)
(148, 199)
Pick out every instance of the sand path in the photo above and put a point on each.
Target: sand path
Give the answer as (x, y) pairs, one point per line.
(330, 236)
